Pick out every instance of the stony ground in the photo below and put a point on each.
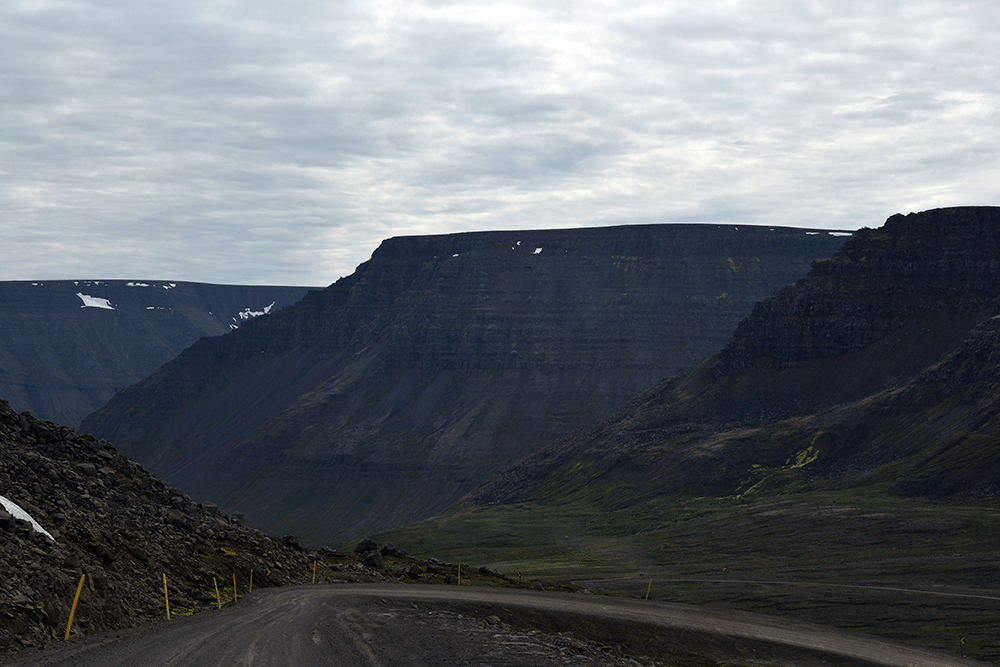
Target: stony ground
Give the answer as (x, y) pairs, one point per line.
(124, 529)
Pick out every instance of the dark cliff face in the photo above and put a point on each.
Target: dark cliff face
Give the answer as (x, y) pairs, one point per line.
(67, 346)
(390, 394)
(879, 366)
(913, 266)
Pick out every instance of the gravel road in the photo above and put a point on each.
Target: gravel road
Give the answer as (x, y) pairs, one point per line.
(361, 625)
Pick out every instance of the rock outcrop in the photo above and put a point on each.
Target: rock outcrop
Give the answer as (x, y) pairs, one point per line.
(66, 346)
(387, 396)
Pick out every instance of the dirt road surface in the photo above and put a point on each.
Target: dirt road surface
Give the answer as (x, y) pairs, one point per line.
(388, 625)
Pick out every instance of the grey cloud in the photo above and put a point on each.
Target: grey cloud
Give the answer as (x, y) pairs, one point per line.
(280, 142)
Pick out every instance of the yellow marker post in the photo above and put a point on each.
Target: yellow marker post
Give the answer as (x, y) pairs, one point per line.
(166, 598)
(459, 574)
(314, 572)
(251, 581)
(218, 599)
(72, 611)
(649, 588)
(235, 599)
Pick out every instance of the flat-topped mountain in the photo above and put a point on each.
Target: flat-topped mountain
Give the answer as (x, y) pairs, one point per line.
(881, 366)
(390, 394)
(66, 346)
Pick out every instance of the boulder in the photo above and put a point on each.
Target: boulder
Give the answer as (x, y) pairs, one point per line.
(389, 549)
(366, 545)
(373, 561)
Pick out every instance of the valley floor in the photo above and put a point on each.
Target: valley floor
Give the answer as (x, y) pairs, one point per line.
(914, 571)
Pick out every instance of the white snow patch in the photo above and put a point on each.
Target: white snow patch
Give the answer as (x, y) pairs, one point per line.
(811, 233)
(169, 286)
(248, 314)
(455, 255)
(18, 513)
(38, 284)
(841, 233)
(538, 251)
(94, 302)
(137, 284)
(518, 243)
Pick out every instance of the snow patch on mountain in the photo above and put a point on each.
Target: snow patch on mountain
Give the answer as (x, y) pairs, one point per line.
(15, 511)
(247, 314)
(94, 301)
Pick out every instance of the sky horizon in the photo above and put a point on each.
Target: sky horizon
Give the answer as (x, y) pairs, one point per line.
(247, 142)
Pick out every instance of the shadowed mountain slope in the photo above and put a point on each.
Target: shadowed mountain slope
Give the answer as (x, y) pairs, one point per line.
(881, 366)
(66, 346)
(387, 396)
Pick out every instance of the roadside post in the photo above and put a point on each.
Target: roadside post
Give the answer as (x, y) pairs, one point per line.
(166, 598)
(72, 611)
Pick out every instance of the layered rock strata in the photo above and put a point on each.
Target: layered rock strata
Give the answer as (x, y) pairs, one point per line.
(878, 367)
(387, 396)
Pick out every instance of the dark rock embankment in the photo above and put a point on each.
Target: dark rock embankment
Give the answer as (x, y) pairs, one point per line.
(111, 520)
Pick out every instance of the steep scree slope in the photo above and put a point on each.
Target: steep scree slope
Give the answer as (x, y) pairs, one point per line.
(880, 366)
(124, 529)
(66, 346)
(390, 394)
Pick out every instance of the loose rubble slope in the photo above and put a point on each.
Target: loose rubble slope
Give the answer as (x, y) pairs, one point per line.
(123, 528)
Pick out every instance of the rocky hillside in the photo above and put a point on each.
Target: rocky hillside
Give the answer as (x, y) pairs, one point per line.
(881, 366)
(104, 516)
(387, 396)
(67, 346)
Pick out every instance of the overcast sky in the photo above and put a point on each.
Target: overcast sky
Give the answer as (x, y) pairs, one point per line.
(279, 142)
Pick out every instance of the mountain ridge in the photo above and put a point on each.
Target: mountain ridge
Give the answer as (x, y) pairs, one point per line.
(440, 360)
(880, 364)
(66, 346)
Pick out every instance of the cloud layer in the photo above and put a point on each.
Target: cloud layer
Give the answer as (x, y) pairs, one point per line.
(264, 142)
